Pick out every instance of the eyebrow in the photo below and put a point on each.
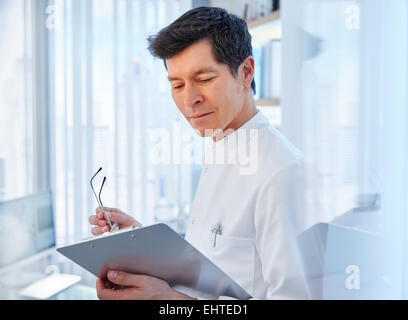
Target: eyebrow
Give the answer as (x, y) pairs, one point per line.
(201, 71)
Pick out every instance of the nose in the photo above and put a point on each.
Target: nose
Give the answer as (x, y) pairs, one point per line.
(192, 96)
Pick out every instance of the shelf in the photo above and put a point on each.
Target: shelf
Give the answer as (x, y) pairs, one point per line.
(269, 102)
(273, 16)
(265, 28)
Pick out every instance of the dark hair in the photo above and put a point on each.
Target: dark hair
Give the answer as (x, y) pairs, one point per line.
(227, 33)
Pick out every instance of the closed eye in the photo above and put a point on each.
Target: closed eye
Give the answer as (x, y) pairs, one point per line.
(205, 80)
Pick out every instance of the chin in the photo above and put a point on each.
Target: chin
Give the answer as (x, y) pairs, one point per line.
(206, 131)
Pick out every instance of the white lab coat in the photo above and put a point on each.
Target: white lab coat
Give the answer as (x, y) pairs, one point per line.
(257, 210)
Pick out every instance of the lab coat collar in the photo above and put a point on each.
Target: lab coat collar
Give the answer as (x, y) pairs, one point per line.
(257, 121)
(224, 149)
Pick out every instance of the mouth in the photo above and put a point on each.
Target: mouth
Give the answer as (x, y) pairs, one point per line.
(200, 115)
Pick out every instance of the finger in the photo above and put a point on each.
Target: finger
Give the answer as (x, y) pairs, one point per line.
(101, 215)
(117, 216)
(107, 209)
(105, 292)
(127, 279)
(97, 222)
(102, 223)
(113, 209)
(93, 220)
(99, 230)
(96, 230)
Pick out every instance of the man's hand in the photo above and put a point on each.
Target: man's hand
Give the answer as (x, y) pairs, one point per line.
(138, 287)
(115, 215)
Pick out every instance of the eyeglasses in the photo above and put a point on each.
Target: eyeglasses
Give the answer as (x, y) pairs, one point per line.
(98, 199)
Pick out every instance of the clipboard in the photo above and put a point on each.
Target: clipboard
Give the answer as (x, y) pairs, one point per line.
(155, 250)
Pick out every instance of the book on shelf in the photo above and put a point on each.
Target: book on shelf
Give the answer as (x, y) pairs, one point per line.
(256, 9)
(275, 73)
(268, 70)
(275, 5)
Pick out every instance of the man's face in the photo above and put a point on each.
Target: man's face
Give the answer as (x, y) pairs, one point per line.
(204, 90)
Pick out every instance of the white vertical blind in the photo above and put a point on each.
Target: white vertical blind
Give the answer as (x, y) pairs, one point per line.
(109, 93)
(28, 94)
(77, 128)
(88, 70)
(16, 107)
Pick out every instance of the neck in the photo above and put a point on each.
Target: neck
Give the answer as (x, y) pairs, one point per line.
(247, 112)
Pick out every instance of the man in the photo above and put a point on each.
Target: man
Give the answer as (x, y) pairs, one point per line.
(244, 221)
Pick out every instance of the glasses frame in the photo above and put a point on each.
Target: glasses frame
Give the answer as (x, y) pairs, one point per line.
(98, 199)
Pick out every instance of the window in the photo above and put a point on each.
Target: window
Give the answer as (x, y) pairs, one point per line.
(15, 100)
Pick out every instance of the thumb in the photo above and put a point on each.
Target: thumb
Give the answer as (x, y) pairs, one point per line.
(127, 279)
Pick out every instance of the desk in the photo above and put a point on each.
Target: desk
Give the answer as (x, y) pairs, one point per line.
(12, 280)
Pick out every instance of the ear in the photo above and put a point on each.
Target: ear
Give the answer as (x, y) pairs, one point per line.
(247, 69)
